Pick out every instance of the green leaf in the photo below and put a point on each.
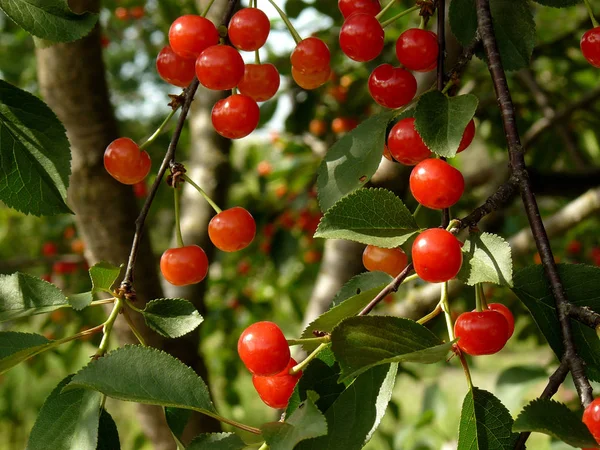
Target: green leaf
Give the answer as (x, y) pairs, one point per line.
(582, 286)
(360, 343)
(80, 301)
(146, 375)
(103, 276)
(16, 347)
(35, 156)
(352, 160)
(49, 19)
(486, 259)
(306, 422)
(485, 423)
(108, 435)
(441, 121)
(513, 25)
(172, 317)
(67, 421)
(217, 441)
(359, 283)
(558, 3)
(369, 216)
(555, 419)
(22, 295)
(177, 419)
(357, 412)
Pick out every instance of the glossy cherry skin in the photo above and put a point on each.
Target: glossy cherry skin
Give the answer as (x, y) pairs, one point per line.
(220, 67)
(235, 116)
(436, 184)
(392, 87)
(126, 163)
(405, 144)
(510, 320)
(436, 255)
(467, 136)
(311, 55)
(591, 418)
(276, 390)
(249, 29)
(260, 82)
(184, 265)
(174, 69)
(232, 229)
(349, 7)
(417, 49)
(310, 81)
(481, 333)
(361, 37)
(190, 35)
(263, 349)
(590, 46)
(389, 260)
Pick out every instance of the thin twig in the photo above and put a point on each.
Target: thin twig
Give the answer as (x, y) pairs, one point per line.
(584, 315)
(392, 287)
(503, 195)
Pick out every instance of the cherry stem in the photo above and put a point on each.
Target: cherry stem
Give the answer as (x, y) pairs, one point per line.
(437, 310)
(465, 366)
(446, 308)
(316, 340)
(176, 192)
(204, 194)
(132, 306)
(264, 446)
(591, 13)
(207, 9)
(480, 301)
(159, 130)
(391, 20)
(385, 9)
(133, 328)
(302, 365)
(108, 326)
(256, 57)
(288, 24)
(233, 423)
(417, 209)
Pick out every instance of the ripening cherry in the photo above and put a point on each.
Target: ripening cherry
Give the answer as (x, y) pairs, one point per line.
(417, 49)
(220, 67)
(137, 12)
(591, 418)
(276, 390)
(125, 162)
(341, 125)
(349, 7)
(389, 260)
(436, 255)
(405, 144)
(236, 116)
(590, 46)
(467, 136)
(311, 55)
(190, 35)
(361, 37)
(249, 29)
(481, 332)
(436, 184)
(184, 265)
(49, 249)
(260, 81)
(318, 127)
(263, 349)
(121, 13)
(174, 69)
(232, 230)
(310, 81)
(502, 309)
(392, 87)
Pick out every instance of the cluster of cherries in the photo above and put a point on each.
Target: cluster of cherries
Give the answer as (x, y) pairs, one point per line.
(135, 13)
(63, 266)
(265, 352)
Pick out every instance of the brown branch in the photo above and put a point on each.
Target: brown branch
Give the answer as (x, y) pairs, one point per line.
(584, 315)
(519, 172)
(503, 195)
(392, 287)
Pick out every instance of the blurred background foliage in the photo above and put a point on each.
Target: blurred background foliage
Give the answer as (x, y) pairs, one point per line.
(274, 174)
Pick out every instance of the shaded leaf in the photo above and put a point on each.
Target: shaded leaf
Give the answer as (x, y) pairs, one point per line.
(486, 259)
(16, 347)
(359, 283)
(558, 3)
(103, 276)
(172, 317)
(108, 435)
(217, 441)
(177, 420)
(80, 301)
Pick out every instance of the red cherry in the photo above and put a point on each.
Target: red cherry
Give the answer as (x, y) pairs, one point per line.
(174, 69)
(481, 333)
(276, 390)
(392, 87)
(47, 277)
(260, 82)
(137, 12)
(248, 29)
(467, 137)
(343, 124)
(235, 116)
(49, 249)
(184, 265)
(574, 247)
(311, 55)
(502, 309)
(190, 35)
(310, 81)
(405, 144)
(590, 46)
(140, 190)
(121, 13)
(361, 37)
(318, 127)
(263, 349)
(349, 7)
(387, 154)
(232, 230)
(436, 184)
(220, 67)
(436, 255)
(125, 162)
(417, 49)
(389, 260)
(64, 267)
(591, 418)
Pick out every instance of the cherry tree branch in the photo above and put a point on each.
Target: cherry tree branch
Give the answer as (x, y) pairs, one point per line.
(392, 287)
(584, 315)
